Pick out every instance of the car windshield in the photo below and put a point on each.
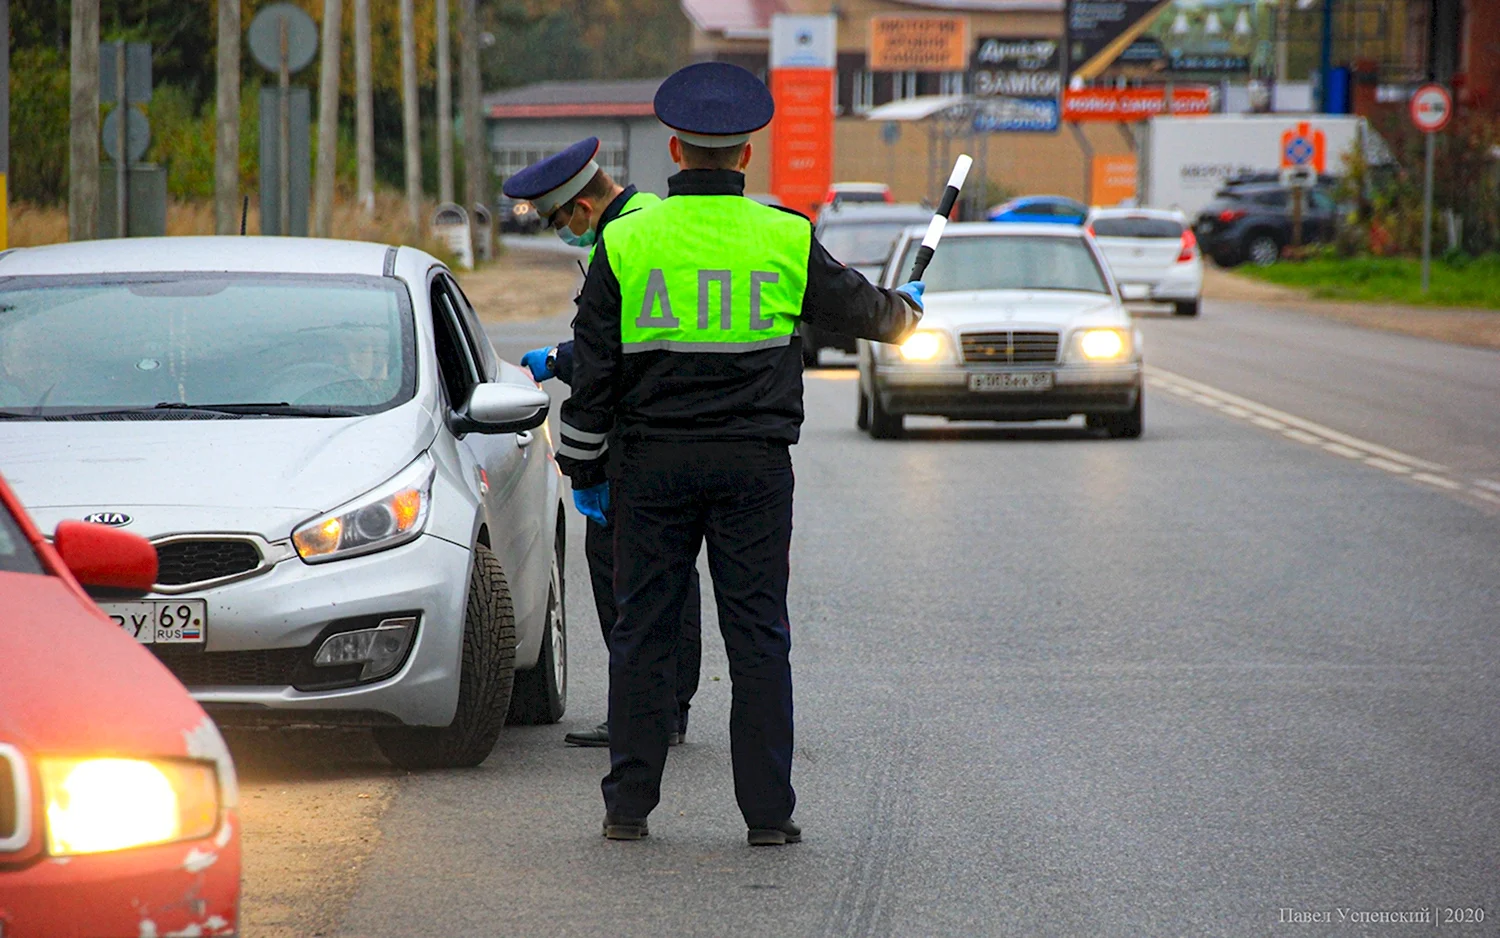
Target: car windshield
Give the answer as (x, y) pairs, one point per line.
(180, 345)
(16, 555)
(1009, 263)
(1136, 227)
(867, 243)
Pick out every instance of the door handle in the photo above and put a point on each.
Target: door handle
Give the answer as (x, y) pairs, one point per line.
(525, 438)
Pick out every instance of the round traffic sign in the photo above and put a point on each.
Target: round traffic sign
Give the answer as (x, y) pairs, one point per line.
(301, 37)
(1431, 108)
(137, 134)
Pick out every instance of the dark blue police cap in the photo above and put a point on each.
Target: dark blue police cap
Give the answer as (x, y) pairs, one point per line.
(549, 183)
(714, 104)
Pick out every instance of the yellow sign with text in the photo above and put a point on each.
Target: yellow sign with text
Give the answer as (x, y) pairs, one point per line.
(919, 44)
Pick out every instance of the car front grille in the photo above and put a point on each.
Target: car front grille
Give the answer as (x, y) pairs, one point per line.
(10, 799)
(181, 562)
(1009, 348)
(270, 667)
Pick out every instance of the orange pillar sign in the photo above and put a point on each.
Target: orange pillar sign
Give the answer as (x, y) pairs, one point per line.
(803, 50)
(802, 137)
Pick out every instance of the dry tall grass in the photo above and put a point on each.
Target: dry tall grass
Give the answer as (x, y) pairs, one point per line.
(38, 224)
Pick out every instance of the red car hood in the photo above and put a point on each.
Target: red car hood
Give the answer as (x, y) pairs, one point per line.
(72, 683)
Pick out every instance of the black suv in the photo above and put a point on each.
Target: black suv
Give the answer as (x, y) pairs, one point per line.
(1252, 221)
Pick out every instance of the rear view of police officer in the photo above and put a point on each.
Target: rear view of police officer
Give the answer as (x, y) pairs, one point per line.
(687, 360)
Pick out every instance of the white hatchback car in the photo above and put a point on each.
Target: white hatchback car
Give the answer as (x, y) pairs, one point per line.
(1153, 253)
(1022, 322)
(355, 506)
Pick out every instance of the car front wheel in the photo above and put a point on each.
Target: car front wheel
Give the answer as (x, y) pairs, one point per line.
(1126, 426)
(1263, 250)
(541, 694)
(1188, 308)
(486, 677)
(862, 420)
(885, 425)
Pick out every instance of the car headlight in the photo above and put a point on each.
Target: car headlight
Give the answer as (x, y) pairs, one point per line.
(520, 208)
(1103, 344)
(392, 514)
(98, 805)
(922, 346)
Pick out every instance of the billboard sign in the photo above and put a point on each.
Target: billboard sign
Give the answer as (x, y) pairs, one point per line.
(919, 44)
(1017, 82)
(1099, 31)
(803, 50)
(1135, 104)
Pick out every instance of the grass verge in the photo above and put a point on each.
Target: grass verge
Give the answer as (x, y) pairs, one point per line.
(1469, 282)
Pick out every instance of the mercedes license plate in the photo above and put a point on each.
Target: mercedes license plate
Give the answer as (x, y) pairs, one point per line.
(1011, 381)
(161, 621)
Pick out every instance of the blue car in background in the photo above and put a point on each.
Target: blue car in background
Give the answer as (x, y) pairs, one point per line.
(1056, 209)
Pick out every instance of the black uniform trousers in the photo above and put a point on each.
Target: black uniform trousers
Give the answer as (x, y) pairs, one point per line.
(668, 498)
(599, 548)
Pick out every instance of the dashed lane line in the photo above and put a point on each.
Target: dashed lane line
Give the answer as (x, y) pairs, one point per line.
(1328, 439)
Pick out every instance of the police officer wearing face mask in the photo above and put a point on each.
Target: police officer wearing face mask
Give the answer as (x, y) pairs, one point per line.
(579, 200)
(686, 395)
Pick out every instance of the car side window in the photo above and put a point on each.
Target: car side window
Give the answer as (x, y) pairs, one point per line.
(1322, 201)
(486, 357)
(455, 358)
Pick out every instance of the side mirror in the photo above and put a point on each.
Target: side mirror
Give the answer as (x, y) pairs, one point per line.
(497, 407)
(1134, 292)
(105, 561)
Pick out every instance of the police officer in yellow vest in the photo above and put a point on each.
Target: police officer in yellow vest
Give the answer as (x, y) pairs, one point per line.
(579, 200)
(687, 361)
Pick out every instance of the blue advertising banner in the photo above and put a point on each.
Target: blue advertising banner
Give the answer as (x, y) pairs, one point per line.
(1012, 115)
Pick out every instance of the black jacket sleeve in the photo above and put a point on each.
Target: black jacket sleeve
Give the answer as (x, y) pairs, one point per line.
(562, 362)
(841, 300)
(589, 412)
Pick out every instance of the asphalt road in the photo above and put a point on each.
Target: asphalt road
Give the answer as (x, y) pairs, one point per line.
(1203, 683)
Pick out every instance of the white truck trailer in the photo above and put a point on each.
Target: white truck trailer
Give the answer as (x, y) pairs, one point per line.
(1183, 161)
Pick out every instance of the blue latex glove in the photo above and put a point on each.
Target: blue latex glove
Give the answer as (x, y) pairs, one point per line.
(912, 288)
(592, 503)
(536, 361)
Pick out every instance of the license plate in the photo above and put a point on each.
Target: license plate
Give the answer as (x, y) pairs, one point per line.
(1011, 381)
(161, 621)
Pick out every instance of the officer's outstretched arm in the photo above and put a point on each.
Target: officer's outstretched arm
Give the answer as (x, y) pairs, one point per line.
(589, 412)
(841, 300)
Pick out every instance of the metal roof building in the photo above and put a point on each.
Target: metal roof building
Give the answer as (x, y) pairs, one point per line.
(528, 123)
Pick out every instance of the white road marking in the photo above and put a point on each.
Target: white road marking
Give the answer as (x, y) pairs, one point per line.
(1315, 434)
(1327, 433)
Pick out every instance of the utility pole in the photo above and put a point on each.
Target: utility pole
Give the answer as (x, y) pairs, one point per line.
(409, 118)
(5, 127)
(83, 123)
(475, 164)
(364, 108)
(444, 106)
(328, 118)
(227, 116)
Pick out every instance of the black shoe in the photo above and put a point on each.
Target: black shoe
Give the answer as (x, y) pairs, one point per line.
(625, 828)
(679, 737)
(784, 833)
(598, 737)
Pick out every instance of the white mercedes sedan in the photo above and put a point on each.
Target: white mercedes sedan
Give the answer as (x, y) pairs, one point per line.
(1023, 322)
(353, 499)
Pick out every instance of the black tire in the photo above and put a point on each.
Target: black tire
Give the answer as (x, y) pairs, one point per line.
(1262, 249)
(863, 419)
(1189, 308)
(1126, 426)
(485, 681)
(883, 424)
(541, 693)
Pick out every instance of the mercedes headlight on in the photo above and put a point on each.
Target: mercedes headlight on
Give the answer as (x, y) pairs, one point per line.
(385, 517)
(1103, 345)
(922, 346)
(98, 805)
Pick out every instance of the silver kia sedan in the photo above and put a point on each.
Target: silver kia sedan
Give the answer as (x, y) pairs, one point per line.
(354, 500)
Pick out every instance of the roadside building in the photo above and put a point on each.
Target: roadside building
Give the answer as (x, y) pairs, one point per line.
(534, 121)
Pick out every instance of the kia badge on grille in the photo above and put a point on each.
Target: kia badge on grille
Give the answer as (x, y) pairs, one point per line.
(115, 519)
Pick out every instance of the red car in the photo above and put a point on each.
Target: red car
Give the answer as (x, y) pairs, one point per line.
(117, 793)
